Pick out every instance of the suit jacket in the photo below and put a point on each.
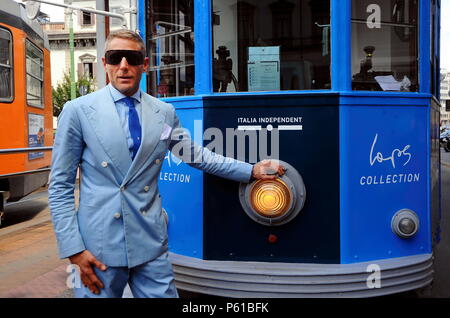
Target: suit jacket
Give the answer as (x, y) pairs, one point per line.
(119, 217)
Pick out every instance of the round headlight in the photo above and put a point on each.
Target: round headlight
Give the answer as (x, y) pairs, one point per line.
(274, 202)
(405, 223)
(271, 198)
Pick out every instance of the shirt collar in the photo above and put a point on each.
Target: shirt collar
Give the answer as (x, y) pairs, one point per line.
(116, 95)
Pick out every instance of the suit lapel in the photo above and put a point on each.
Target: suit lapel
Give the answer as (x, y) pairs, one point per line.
(152, 124)
(104, 119)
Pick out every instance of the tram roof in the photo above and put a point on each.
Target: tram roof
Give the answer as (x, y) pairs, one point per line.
(13, 13)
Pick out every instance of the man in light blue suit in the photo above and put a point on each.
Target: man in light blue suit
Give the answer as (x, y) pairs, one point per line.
(118, 136)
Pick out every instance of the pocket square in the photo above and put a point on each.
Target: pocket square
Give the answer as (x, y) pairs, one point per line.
(166, 132)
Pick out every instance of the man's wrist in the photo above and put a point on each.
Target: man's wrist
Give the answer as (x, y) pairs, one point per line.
(252, 176)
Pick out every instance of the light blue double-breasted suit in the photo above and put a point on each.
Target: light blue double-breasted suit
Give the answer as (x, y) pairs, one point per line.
(119, 217)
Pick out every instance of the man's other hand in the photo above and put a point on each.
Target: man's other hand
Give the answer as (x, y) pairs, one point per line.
(85, 260)
(268, 170)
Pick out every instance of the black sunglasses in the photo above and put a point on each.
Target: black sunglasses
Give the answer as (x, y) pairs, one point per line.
(114, 57)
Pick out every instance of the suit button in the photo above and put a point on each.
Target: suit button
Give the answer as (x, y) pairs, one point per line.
(104, 164)
(144, 212)
(146, 188)
(122, 189)
(117, 215)
(157, 161)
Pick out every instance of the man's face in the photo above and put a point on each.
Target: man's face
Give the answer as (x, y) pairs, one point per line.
(123, 76)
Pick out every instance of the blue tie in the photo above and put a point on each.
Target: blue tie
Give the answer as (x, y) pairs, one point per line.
(133, 125)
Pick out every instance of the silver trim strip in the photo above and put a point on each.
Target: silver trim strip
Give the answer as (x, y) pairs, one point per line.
(273, 280)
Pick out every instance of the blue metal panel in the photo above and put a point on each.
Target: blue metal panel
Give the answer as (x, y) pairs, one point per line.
(203, 44)
(384, 153)
(341, 77)
(181, 188)
(424, 46)
(313, 236)
(141, 25)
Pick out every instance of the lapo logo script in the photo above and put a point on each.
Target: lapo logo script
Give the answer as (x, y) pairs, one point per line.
(395, 154)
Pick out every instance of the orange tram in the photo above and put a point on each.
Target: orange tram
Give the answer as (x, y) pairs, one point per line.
(26, 116)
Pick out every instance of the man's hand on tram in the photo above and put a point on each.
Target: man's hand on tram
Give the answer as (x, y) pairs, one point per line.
(85, 260)
(268, 170)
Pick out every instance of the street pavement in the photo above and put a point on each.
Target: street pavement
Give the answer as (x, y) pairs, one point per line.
(445, 158)
(441, 283)
(29, 263)
(30, 267)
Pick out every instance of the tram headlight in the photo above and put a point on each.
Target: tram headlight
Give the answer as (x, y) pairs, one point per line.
(405, 223)
(271, 198)
(274, 202)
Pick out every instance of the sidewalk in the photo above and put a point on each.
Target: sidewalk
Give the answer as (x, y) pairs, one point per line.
(29, 264)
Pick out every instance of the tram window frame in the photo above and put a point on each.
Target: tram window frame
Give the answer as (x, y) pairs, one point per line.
(434, 54)
(9, 99)
(293, 53)
(29, 43)
(171, 48)
(396, 72)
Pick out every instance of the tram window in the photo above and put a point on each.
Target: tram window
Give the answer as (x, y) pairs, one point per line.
(434, 55)
(171, 46)
(384, 45)
(5, 66)
(271, 45)
(35, 75)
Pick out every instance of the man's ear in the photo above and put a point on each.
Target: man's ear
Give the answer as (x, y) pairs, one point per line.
(145, 65)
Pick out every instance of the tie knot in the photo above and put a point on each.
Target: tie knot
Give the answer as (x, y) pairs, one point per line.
(129, 101)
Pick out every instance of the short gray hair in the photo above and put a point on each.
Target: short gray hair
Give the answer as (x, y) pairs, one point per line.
(128, 35)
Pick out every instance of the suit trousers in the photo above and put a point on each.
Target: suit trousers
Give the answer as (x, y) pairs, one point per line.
(153, 279)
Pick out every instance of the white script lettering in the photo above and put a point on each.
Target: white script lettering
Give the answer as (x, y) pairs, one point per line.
(396, 153)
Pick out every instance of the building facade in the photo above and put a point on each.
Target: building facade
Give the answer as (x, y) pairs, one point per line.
(445, 98)
(85, 46)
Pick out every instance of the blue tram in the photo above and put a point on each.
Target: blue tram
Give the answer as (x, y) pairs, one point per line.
(345, 94)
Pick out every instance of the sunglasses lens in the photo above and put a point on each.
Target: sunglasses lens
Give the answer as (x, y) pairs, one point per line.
(114, 57)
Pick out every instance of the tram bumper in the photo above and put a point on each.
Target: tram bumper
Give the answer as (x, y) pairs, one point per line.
(289, 280)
